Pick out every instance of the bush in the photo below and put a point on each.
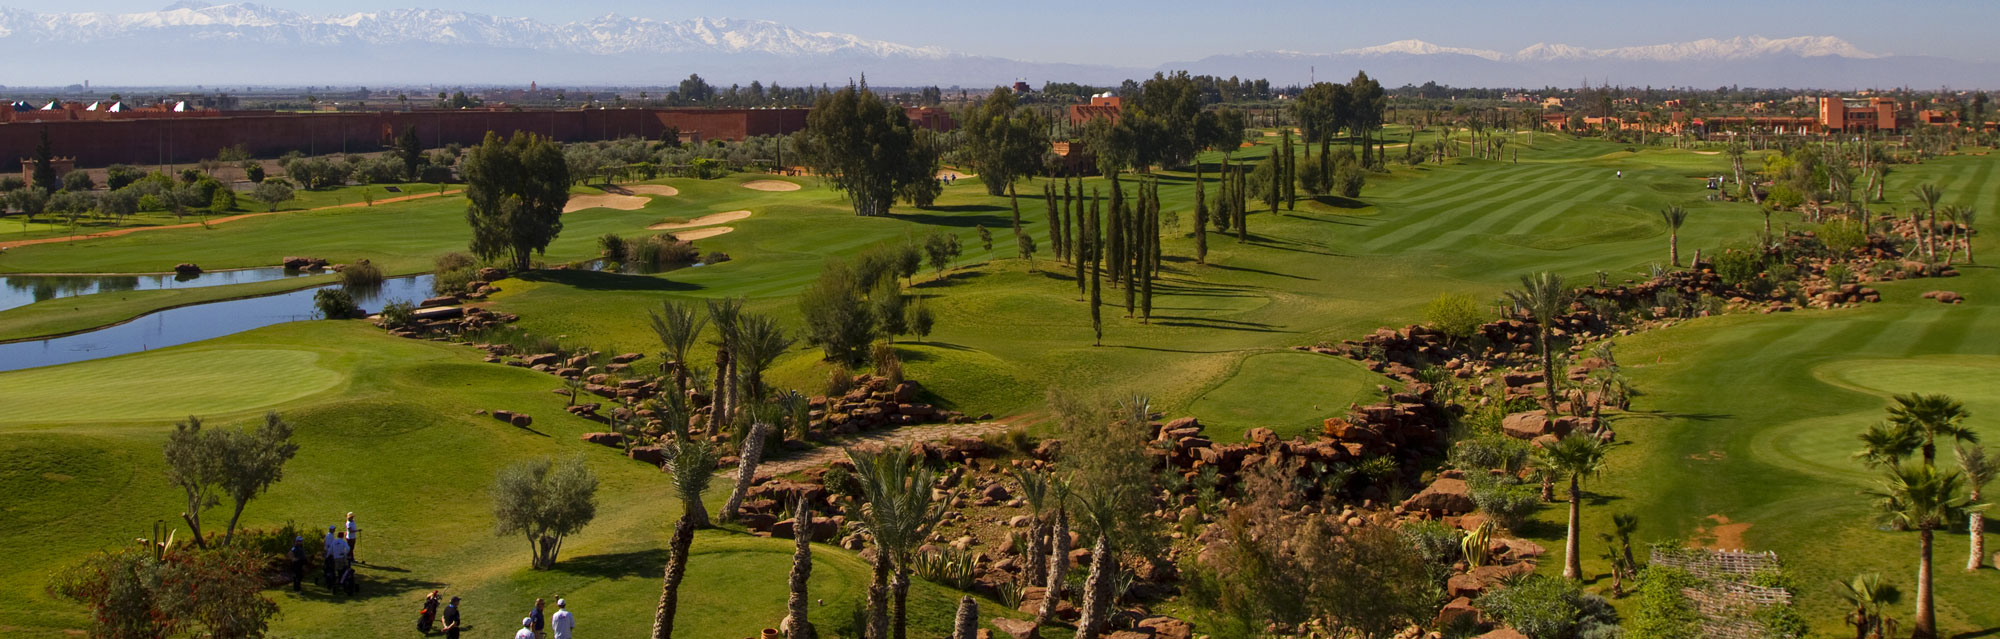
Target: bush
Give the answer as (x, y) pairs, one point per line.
(455, 282)
(335, 303)
(1491, 451)
(1663, 612)
(1737, 265)
(1545, 607)
(1504, 499)
(361, 275)
(1456, 315)
(454, 261)
(398, 314)
(1843, 236)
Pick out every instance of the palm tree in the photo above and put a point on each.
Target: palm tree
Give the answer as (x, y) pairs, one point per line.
(1574, 457)
(1675, 216)
(1096, 504)
(1979, 468)
(1930, 417)
(1546, 297)
(750, 454)
(1929, 195)
(692, 463)
(1871, 599)
(1034, 488)
(796, 624)
(759, 343)
(1920, 497)
(724, 313)
(1968, 216)
(898, 511)
(1951, 240)
(678, 325)
(1618, 550)
(1885, 444)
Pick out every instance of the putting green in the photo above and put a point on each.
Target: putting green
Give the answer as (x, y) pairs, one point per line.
(205, 381)
(1290, 393)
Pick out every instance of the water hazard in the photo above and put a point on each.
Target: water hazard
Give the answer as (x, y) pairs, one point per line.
(176, 326)
(21, 290)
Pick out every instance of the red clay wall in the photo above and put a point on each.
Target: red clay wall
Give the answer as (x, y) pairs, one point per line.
(184, 139)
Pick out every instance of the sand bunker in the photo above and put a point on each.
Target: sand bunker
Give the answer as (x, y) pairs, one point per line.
(653, 189)
(1722, 534)
(705, 220)
(770, 185)
(1707, 152)
(702, 234)
(955, 175)
(620, 202)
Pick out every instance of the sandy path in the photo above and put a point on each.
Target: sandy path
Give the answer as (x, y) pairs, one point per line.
(700, 234)
(705, 220)
(898, 437)
(219, 220)
(770, 185)
(620, 202)
(654, 189)
(951, 174)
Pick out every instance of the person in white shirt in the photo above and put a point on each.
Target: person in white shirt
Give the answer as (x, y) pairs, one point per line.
(562, 621)
(352, 534)
(524, 632)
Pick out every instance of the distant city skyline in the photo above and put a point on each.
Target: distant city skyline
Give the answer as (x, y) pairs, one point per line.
(1159, 31)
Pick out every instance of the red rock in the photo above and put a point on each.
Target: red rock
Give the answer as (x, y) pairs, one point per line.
(1443, 497)
(1460, 608)
(1528, 425)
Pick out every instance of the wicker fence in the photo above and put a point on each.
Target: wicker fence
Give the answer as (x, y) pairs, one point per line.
(1729, 604)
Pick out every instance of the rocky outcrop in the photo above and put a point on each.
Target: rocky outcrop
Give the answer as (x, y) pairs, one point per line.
(1444, 497)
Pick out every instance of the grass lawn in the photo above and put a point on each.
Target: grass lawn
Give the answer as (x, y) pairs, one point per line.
(1746, 416)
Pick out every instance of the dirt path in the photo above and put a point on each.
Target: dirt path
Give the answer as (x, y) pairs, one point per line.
(219, 220)
(897, 437)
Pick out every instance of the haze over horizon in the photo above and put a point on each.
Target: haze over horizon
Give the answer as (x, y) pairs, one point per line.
(1545, 43)
(1126, 33)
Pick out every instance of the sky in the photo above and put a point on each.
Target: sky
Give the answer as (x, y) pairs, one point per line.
(1149, 33)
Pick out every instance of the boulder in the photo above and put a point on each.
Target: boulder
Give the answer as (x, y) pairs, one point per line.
(1460, 608)
(437, 301)
(521, 420)
(1444, 497)
(1528, 425)
(650, 454)
(490, 274)
(1167, 628)
(1016, 628)
(544, 359)
(1464, 585)
(187, 268)
(606, 439)
(1503, 633)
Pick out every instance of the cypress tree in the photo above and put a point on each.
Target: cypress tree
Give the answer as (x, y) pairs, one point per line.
(1081, 249)
(1152, 242)
(1115, 256)
(1132, 257)
(1241, 203)
(1291, 175)
(1200, 217)
(1049, 205)
(1276, 191)
(1015, 202)
(1096, 275)
(1063, 248)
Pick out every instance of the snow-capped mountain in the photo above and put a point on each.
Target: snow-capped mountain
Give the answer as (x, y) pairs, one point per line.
(608, 35)
(1825, 62)
(192, 43)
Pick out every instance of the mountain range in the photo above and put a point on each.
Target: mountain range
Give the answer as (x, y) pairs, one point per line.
(247, 44)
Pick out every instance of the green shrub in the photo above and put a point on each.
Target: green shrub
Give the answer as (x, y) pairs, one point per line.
(335, 303)
(1737, 265)
(1663, 612)
(454, 261)
(398, 314)
(1456, 315)
(1490, 451)
(1544, 607)
(1843, 236)
(455, 282)
(1504, 499)
(360, 275)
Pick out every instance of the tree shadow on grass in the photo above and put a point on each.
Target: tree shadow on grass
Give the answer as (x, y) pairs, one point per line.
(373, 585)
(618, 565)
(1341, 202)
(1166, 350)
(961, 221)
(1663, 415)
(1217, 324)
(602, 281)
(1976, 634)
(951, 279)
(1245, 269)
(1293, 246)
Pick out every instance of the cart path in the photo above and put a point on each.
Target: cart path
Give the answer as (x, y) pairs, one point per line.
(219, 220)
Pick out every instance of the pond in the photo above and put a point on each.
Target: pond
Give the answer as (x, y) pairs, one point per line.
(176, 326)
(21, 290)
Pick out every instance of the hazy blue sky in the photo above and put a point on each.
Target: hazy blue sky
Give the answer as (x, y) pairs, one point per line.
(1154, 31)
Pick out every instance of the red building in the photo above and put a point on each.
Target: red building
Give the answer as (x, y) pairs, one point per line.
(1103, 105)
(150, 136)
(1851, 115)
